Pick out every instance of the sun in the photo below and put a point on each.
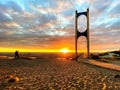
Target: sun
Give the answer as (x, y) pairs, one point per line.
(64, 50)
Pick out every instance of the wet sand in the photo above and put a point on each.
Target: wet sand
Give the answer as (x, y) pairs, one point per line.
(56, 74)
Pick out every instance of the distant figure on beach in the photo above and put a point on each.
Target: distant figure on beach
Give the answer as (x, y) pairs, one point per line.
(16, 54)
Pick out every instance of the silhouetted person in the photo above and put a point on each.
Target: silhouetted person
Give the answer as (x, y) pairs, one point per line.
(16, 54)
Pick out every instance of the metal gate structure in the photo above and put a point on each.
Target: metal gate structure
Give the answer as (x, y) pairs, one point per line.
(85, 33)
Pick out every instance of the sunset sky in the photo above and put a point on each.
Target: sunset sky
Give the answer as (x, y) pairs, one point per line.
(48, 25)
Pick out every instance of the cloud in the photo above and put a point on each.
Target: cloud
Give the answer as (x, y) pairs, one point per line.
(31, 23)
(4, 17)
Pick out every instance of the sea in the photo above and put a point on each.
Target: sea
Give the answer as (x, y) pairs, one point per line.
(38, 55)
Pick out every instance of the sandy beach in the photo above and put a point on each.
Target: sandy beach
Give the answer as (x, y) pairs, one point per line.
(55, 74)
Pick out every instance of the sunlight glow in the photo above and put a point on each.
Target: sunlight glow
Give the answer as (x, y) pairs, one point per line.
(64, 50)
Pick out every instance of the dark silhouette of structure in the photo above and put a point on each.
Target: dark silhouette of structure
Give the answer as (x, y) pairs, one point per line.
(85, 33)
(16, 54)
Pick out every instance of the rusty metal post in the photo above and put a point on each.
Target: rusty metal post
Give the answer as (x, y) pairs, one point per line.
(88, 42)
(76, 34)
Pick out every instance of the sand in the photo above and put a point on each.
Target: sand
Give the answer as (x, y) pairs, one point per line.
(55, 74)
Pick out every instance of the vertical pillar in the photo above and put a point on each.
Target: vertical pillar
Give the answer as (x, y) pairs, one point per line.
(88, 42)
(76, 34)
